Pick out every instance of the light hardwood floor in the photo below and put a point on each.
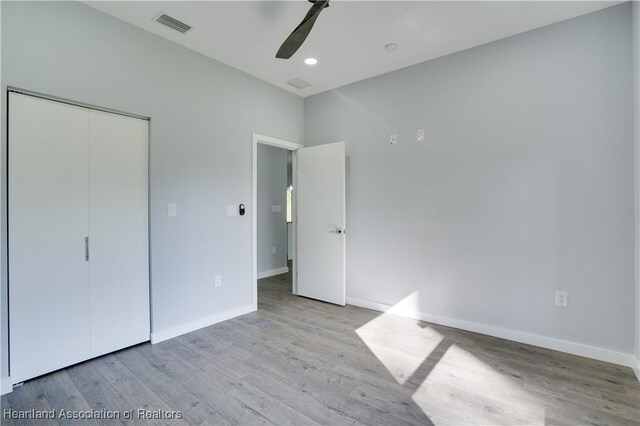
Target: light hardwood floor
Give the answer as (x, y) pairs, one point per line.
(297, 361)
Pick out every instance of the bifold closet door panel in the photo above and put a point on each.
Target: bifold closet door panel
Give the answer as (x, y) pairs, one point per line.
(48, 223)
(118, 229)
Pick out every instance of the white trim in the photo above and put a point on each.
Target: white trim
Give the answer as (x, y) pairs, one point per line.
(160, 336)
(635, 7)
(294, 220)
(636, 367)
(75, 103)
(574, 348)
(3, 361)
(6, 386)
(280, 143)
(271, 273)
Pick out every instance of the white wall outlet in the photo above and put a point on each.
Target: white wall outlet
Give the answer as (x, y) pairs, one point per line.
(420, 135)
(172, 210)
(218, 281)
(393, 139)
(231, 209)
(562, 298)
(274, 250)
(276, 209)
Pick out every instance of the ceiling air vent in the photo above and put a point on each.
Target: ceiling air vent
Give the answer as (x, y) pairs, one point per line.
(298, 83)
(172, 23)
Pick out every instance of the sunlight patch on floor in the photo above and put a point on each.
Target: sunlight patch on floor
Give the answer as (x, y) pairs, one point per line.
(450, 384)
(460, 388)
(399, 343)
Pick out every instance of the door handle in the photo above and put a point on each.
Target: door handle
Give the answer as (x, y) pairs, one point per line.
(338, 230)
(86, 248)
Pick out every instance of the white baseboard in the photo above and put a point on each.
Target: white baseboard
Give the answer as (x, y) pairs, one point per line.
(574, 348)
(159, 336)
(267, 274)
(6, 386)
(636, 367)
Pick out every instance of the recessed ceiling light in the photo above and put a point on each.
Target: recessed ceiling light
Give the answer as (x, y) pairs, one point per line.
(311, 61)
(391, 47)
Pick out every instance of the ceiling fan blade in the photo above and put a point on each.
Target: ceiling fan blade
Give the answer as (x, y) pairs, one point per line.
(299, 35)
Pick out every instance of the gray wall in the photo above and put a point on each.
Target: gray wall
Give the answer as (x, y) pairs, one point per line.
(524, 185)
(636, 115)
(202, 114)
(272, 227)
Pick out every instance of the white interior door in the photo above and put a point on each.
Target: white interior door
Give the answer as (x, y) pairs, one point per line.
(48, 223)
(321, 223)
(118, 231)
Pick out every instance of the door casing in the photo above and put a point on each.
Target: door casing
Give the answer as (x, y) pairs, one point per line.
(290, 146)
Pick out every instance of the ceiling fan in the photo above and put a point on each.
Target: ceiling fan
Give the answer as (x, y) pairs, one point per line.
(299, 35)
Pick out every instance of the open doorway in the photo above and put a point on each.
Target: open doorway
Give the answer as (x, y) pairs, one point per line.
(318, 213)
(274, 217)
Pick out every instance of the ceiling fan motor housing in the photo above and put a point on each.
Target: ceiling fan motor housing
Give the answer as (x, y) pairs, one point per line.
(313, 1)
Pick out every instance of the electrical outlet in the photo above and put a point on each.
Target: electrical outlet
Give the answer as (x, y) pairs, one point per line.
(274, 250)
(218, 280)
(420, 135)
(231, 209)
(172, 210)
(562, 298)
(393, 139)
(276, 209)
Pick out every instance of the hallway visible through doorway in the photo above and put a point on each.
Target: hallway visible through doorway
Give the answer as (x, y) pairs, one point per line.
(273, 289)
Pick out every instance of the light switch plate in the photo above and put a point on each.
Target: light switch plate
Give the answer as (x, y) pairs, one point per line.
(393, 139)
(276, 209)
(172, 210)
(420, 135)
(231, 209)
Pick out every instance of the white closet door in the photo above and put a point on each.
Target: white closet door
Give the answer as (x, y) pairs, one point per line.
(118, 229)
(48, 222)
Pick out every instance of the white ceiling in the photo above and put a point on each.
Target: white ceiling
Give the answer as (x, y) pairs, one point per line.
(349, 37)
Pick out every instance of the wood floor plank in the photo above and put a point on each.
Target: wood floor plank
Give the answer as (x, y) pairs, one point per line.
(29, 397)
(173, 393)
(4, 405)
(296, 399)
(64, 397)
(598, 373)
(98, 393)
(329, 387)
(211, 392)
(622, 399)
(132, 389)
(225, 362)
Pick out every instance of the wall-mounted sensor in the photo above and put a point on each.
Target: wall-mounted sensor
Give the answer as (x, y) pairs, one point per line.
(391, 47)
(241, 209)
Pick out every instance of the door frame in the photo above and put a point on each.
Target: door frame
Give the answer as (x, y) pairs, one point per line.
(290, 146)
